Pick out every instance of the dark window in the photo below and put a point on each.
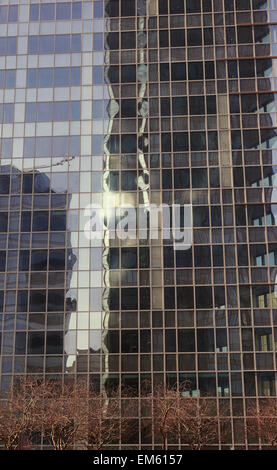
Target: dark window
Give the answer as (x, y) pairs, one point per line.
(129, 258)
(177, 37)
(186, 341)
(197, 105)
(179, 105)
(128, 40)
(178, 71)
(195, 70)
(129, 299)
(194, 37)
(128, 108)
(35, 343)
(185, 297)
(164, 72)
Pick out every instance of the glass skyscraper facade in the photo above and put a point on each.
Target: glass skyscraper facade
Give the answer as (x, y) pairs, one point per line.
(135, 103)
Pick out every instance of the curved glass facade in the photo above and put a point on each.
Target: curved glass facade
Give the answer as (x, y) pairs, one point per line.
(114, 107)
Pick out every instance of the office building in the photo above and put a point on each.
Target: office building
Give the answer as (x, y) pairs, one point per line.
(135, 103)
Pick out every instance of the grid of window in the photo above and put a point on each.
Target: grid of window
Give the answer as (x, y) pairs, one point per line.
(48, 44)
(55, 76)
(175, 103)
(213, 306)
(55, 111)
(59, 11)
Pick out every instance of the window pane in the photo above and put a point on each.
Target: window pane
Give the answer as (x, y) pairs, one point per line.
(61, 76)
(3, 44)
(63, 11)
(13, 13)
(98, 9)
(76, 43)
(33, 44)
(34, 12)
(98, 41)
(45, 77)
(46, 44)
(97, 74)
(61, 111)
(10, 78)
(8, 113)
(63, 43)
(3, 14)
(11, 45)
(75, 111)
(44, 111)
(31, 78)
(30, 112)
(47, 12)
(75, 76)
(76, 10)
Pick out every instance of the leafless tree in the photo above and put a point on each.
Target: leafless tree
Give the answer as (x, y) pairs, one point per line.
(69, 415)
(64, 415)
(165, 402)
(262, 421)
(111, 418)
(18, 412)
(199, 422)
(194, 421)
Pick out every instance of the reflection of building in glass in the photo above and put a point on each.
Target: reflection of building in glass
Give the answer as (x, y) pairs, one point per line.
(36, 270)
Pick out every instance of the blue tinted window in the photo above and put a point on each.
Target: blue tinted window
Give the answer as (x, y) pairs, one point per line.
(64, 76)
(60, 145)
(76, 10)
(63, 43)
(10, 78)
(44, 111)
(63, 11)
(43, 149)
(45, 77)
(97, 109)
(97, 144)
(3, 14)
(75, 111)
(61, 110)
(75, 76)
(98, 9)
(11, 45)
(3, 43)
(8, 112)
(6, 152)
(47, 11)
(29, 146)
(34, 12)
(98, 41)
(30, 112)
(13, 13)
(2, 78)
(33, 44)
(97, 74)
(76, 43)
(46, 44)
(75, 145)
(61, 76)
(31, 78)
